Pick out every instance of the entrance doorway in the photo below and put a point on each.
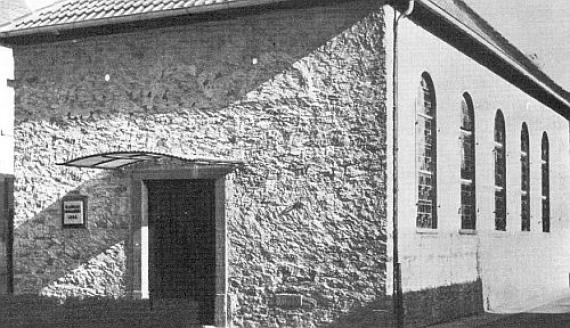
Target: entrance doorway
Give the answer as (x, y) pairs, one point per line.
(182, 240)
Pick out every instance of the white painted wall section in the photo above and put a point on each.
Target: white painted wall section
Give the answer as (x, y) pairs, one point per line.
(518, 269)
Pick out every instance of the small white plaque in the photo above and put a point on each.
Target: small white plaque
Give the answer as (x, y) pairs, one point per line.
(74, 211)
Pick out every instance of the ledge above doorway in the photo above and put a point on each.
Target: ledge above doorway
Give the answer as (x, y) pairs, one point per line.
(120, 159)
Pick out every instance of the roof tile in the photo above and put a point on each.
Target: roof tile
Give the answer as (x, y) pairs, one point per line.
(178, 4)
(129, 11)
(83, 10)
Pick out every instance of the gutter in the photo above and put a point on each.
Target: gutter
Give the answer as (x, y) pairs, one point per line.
(56, 29)
(501, 54)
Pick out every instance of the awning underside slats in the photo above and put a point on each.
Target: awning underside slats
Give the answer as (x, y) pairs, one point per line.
(117, 160)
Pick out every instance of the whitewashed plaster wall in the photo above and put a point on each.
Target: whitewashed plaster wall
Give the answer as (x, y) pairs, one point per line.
(6, 112)
(518, 269)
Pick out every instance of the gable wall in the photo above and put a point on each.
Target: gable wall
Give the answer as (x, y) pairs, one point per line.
(297, 94)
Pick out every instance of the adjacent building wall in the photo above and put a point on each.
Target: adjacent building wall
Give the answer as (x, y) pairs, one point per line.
(511, 267)
(299, 94)
(9, 10)
(6, 162)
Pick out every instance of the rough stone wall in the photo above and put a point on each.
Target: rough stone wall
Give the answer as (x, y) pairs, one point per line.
(297, 93)
(102, 275)
(67, 262)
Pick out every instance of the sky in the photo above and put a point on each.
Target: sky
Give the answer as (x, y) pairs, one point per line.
(540, 27)
(537, 27)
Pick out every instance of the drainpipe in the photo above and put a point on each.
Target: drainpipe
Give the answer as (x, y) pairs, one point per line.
(397, 285)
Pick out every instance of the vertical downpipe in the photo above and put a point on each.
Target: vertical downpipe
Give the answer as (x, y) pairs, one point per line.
(397, 292)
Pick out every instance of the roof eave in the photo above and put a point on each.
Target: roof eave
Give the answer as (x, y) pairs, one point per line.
(496, 51)
(56, 29)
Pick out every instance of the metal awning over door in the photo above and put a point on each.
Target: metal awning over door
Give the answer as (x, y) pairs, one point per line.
(120, 159)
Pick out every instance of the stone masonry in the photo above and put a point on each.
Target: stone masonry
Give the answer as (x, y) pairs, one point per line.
(299, 94)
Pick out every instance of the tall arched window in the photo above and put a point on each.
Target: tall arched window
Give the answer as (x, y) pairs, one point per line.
(545, 168)
(467, 136)
(500, 173)
(426, 162)
(525, 179)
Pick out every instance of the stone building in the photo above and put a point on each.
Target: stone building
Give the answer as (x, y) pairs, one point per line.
(238, 154)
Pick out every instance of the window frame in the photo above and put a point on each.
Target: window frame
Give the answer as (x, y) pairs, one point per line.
(500, 163)
(468, 183)
(428, 144)
(545, 182)
(525, 179)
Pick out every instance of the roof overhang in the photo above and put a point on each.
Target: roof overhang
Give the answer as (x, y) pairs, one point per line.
(7, 33)
(531, 80)
(120, 159)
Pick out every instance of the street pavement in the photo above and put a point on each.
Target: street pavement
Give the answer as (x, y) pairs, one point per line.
(555, 314)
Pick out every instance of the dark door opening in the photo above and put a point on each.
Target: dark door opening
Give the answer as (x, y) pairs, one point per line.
(182, 242)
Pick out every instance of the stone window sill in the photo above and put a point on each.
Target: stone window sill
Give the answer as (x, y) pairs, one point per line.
(426, 231)
(499, 233)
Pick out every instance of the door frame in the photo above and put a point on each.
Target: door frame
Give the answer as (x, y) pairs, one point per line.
(138, 265)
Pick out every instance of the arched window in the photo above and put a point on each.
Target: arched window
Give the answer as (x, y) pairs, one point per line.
(467, 136)
(426, 163)
(500, 173)
(525, 179)
(545, 168)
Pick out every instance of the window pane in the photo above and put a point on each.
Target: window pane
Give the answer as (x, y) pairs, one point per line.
(467, 206)
(500, 210)
(525, 213)
(545, 180)
(500, 169)
(545, 215)
(525, 174)
(499, 129)
(468, 157)
(466, 114)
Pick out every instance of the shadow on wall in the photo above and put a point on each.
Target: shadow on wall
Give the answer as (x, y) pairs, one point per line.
(54, 261)
(421, 308)
(227, 62)
(376, 314)
(39, 311)
(96, 312)
(445, 303)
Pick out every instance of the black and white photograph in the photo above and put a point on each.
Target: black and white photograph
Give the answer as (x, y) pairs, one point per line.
(284, 163)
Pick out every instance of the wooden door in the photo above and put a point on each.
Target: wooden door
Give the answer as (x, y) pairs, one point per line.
(182, 242)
